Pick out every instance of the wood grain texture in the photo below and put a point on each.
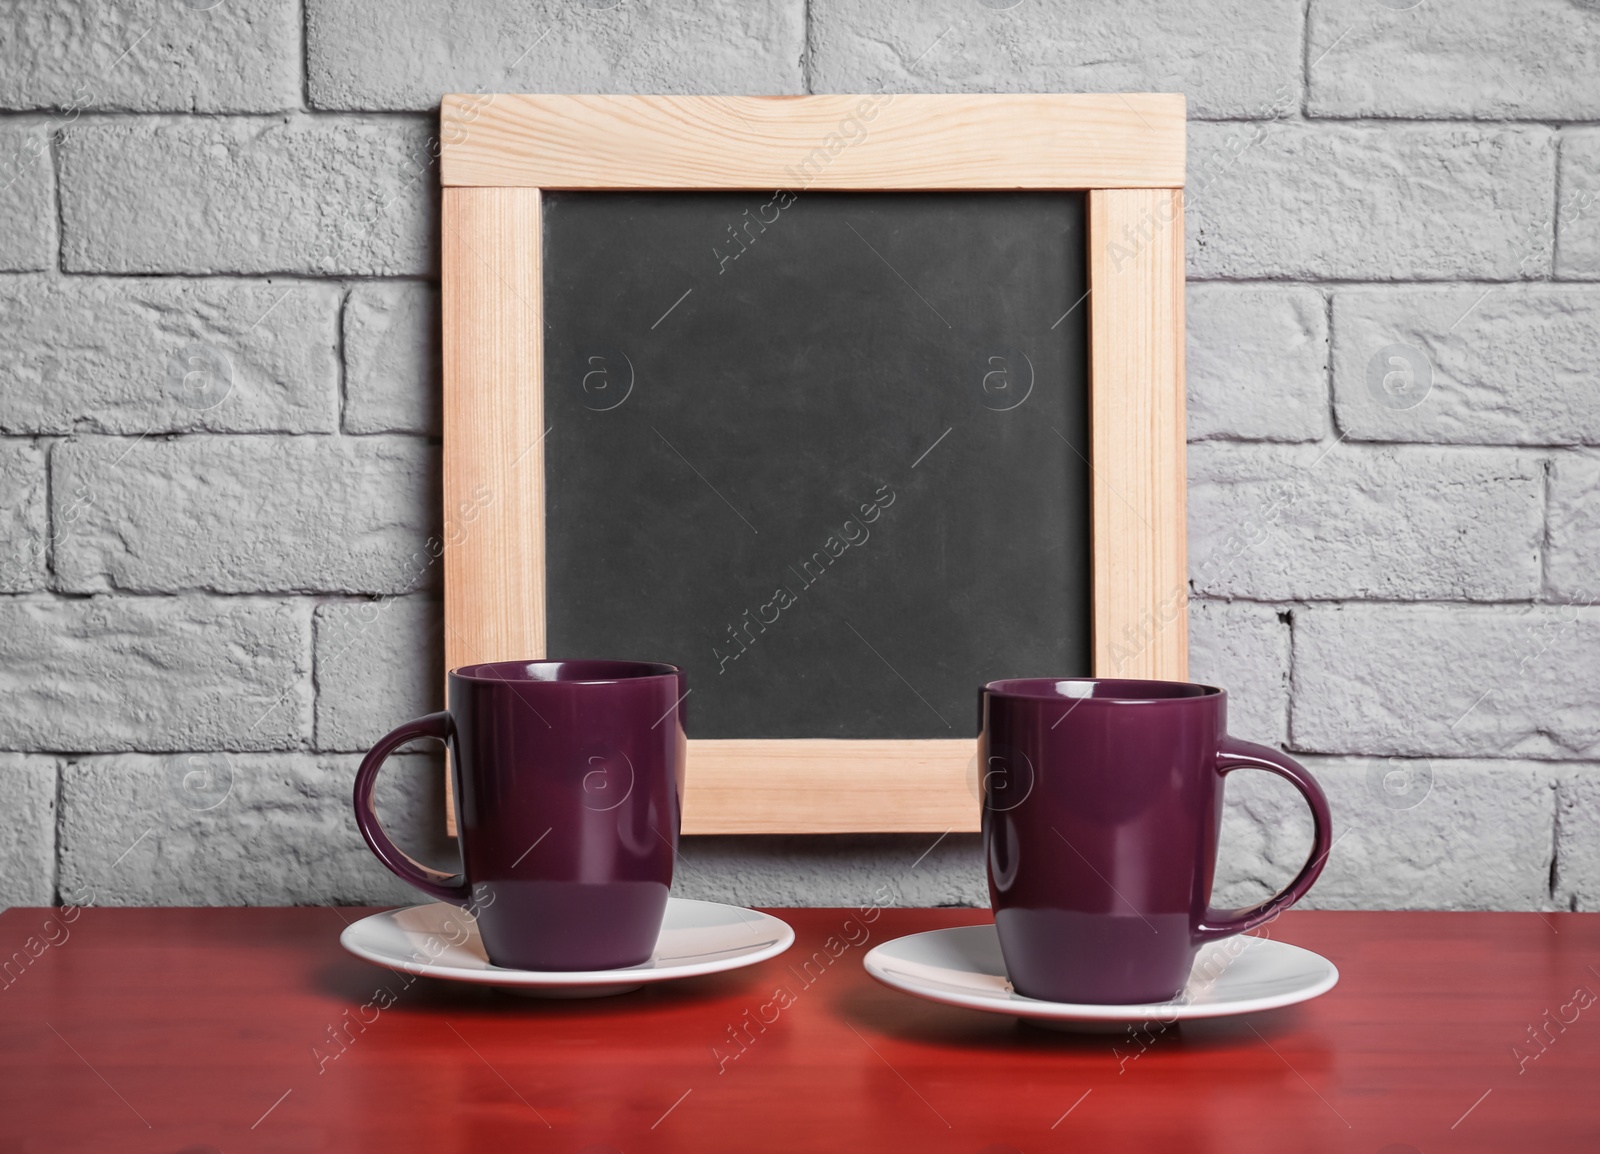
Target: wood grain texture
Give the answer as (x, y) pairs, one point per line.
(1136, 418)
(149, 1031)
(885, 141)
(493, 428)
(830, 787)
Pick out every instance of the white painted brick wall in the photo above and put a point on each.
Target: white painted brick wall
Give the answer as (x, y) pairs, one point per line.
(28, 833)
(1232, 58)
(247, 514)
(1310, 201)
(1244, 648)
(250, 829)
(1577, 212)
(1572, 558)
(382, 661)
(1257, 363)
(1577, 873)
(371, 54)
(24, 518)
(1319, 523)
(392, 339)
(1447, 681)
(1490, 59)
(28, 237)
(151, 56)
(1500, 365)
(219, 415)
(1439, 835)
(158, 673)
(151, 355)
(281, 194)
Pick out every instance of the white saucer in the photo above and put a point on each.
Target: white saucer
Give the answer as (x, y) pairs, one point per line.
(962, 966)
(439, 940)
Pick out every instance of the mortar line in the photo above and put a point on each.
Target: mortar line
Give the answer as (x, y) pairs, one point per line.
(303, 278)
(1287, 617)
(55, 856)
(1555, 847)
(316, 671)
(49, 113)
(806, 68)
(1555, 217)
(305, 55)
(1547, 468)
(50, 513)
(1333, 408)
(61, 224)
(1397, 285)
(341, 368)
(1305, 61)
(283, 596)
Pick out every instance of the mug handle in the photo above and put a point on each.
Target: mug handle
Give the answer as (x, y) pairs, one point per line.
(1235, 754)
(447, 887)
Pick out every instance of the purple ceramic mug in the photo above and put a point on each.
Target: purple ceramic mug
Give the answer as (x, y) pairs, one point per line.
(568, 787)
(1102, 805)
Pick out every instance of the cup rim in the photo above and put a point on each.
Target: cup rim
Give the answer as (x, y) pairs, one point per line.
(1124, 690)
(605, 671)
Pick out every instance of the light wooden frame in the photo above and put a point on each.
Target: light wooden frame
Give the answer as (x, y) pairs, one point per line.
(1127, 151)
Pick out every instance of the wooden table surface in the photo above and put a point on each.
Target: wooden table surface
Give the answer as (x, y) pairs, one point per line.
(215, 1029)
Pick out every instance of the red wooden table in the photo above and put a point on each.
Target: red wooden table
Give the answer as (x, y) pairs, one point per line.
(252, 1030)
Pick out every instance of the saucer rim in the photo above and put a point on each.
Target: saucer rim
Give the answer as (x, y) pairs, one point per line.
(1021, 1006)
(493, 975)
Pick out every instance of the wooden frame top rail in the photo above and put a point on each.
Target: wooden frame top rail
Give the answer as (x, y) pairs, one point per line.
(977, 142)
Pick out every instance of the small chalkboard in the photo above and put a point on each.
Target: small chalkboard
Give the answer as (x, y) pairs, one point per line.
(826, 451)
(845, 403)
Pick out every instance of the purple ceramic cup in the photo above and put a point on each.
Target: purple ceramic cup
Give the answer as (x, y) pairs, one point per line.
(568, 788)
(1102, 804)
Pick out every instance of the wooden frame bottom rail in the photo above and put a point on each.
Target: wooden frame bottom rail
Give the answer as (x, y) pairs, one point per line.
(831, 786)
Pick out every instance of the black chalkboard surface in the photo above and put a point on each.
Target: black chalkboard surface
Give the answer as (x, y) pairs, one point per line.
(826, 451)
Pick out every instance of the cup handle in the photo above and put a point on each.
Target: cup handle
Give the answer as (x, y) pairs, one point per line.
(447, 887)
(1235, 754)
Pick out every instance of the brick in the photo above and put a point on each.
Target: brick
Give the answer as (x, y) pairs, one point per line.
(152, 56)
(1446, 681)
(1257, 363)
(1578, 211)
(379, 663)
(1573, 559)
(120, 355)
(1481, 365)
(28, 238)
(1230, 58)
(367, 54)
(248, 514)
(170, 673)
(28, 834)
(840, 870)
(1496, 59)
(293, 194)
(1282, 523)
(1577, 872)
(1245, 649)
(240, 829)
(1439, 835)
(1345, 201)
(392, 350)
(24, 528)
